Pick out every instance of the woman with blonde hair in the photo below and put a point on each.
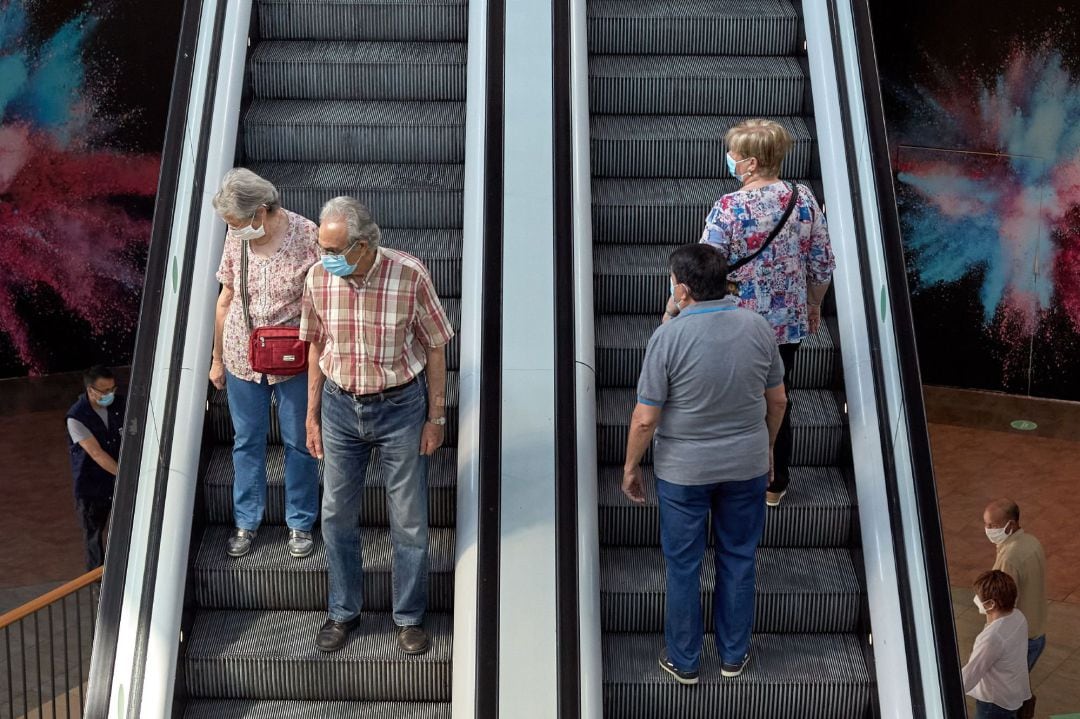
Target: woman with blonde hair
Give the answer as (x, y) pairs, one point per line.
(773, 235)
(276, 247)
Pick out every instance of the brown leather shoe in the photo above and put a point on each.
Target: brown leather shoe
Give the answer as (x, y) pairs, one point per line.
(333, 635)
(413, 640)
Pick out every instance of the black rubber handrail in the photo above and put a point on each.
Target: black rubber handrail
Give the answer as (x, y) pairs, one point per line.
(176, 362)
(490, 420)
(926, 496)
(567, 609)
(103, 657)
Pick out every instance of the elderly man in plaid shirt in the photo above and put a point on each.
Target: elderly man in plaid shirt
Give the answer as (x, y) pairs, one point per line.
(377, 378)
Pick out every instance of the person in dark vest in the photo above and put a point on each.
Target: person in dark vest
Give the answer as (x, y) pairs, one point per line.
(94, 426)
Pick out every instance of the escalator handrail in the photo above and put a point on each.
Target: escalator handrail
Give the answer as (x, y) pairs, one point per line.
(103, 654)
(917, 554)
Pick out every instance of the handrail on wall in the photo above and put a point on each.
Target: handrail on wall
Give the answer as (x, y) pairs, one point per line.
(35, 605)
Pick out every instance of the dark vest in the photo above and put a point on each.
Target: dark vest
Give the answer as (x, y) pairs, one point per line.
(91, 481)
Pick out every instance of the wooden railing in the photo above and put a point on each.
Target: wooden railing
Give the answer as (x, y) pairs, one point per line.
(45, 649)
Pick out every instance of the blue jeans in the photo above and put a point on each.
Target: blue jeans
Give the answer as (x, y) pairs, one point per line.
(1035, 650)
(350, 430)
(738, 514)
(986, 710)
(249, 406)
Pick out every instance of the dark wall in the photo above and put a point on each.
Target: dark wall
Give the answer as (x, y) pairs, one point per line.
(983, 108)
(84, 92)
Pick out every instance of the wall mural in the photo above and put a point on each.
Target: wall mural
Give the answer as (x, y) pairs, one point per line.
(985, 126)
(83, 95)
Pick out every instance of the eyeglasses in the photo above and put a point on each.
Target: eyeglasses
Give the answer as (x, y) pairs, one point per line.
(110, 390)
(323, 251)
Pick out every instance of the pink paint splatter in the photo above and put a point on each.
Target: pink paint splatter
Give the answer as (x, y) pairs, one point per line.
(64, 226)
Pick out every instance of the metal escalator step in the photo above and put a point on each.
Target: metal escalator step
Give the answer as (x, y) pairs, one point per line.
(254, 709)
(679, 145)
(440, 251)
(355, 131)
(411, 196)
(621, 341)
(695, 85)
(333, 70)
(818, 425)
(221, 426)
(270, 578)
(706, 27)
(272, 655)
(218, 488)
(797, 590)
(816, 512)
(665, 211)
(818, 676)
(406, 20)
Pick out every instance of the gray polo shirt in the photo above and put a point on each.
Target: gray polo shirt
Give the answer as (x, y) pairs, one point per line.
(708, 369)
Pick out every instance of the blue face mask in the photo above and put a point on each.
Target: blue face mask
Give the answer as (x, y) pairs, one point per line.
(732, 165)
(336, 264)
(106, 399)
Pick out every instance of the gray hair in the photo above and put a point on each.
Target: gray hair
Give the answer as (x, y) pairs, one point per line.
(357, 218)
(243, 192)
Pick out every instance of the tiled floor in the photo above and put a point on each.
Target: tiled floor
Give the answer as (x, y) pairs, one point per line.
(974, 464)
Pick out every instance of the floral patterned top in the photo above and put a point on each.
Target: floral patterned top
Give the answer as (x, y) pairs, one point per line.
(774, 284)
(275, 291)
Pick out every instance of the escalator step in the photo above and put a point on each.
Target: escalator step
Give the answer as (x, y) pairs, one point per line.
(797, 590)
(621, 341)
(272, 655)
(218, 488)
(253, 709)
(708, 27)
(414, 196)
(440, 251)
(352, 131)
(221, 427)
(817, 421)
(679, 146)
(414, 20)
(695, 85)
(816, 512)
(306, 70)
(819, 676)
(269, 578)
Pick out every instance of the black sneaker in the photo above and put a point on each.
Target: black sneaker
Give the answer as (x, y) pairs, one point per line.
(729, 670)
(682, 677)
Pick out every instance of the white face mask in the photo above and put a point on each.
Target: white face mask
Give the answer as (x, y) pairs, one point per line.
(979, 604)
(248, 233)
(997, 535)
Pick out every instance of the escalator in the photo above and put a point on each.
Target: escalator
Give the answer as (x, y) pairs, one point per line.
(666, 81)
(365, 99)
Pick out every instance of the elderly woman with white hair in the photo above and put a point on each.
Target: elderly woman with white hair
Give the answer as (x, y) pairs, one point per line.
(773, 235)
(277, 247)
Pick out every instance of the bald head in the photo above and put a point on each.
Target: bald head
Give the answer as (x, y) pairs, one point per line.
(1001, 512)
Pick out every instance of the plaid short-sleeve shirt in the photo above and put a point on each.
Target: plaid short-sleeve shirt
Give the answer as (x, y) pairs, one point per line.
(377, 328)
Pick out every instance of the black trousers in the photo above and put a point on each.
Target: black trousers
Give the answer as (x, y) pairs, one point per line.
(782, 450)
(94, 515)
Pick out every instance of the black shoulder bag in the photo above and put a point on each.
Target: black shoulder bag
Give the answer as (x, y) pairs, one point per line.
(772, 235)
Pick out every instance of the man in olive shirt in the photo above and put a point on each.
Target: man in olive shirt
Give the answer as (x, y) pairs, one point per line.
(1020, 555)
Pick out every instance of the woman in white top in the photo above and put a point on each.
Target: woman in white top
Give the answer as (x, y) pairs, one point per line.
(997, 673)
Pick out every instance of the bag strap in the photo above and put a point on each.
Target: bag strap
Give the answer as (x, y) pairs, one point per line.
(772, 235)
(243, 284)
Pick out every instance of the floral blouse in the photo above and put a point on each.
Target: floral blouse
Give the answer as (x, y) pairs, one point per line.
(774, 284)
(275, 291)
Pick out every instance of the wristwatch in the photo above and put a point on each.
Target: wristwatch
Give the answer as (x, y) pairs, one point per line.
(437, 420)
